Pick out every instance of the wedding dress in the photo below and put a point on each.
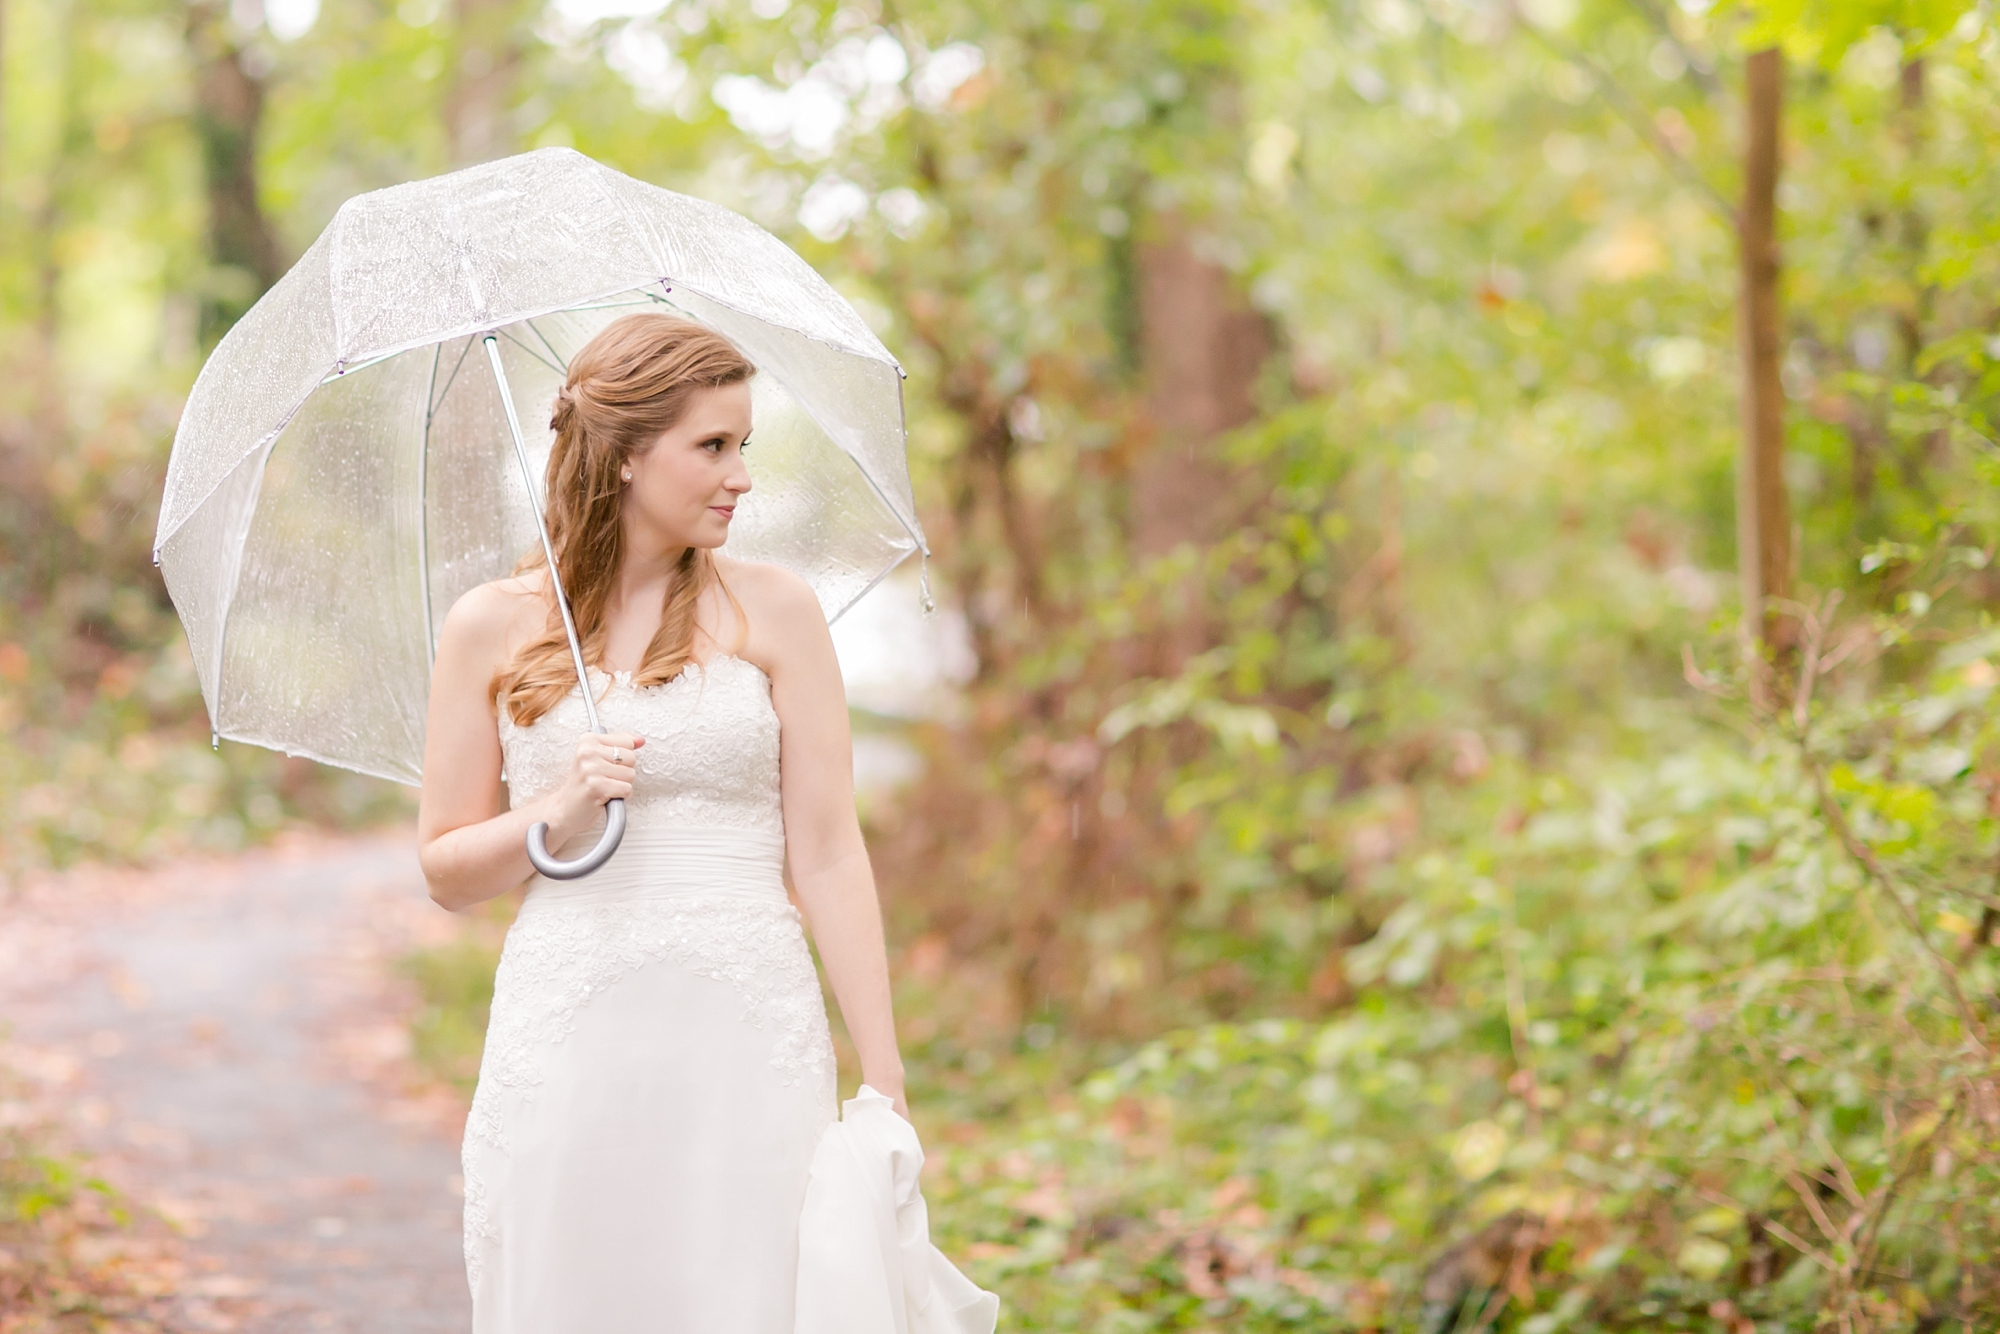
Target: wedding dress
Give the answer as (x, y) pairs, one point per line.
(655, 1111)
(658, 1071)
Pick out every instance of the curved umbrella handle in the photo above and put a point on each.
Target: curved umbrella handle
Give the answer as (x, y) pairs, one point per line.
(607, 843)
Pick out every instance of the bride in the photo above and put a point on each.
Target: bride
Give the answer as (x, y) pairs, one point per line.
(658, 1069)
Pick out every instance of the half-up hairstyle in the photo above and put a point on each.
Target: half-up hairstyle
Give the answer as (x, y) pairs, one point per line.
(628, 384)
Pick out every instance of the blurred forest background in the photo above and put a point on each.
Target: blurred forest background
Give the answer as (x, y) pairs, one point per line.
(1376, 876)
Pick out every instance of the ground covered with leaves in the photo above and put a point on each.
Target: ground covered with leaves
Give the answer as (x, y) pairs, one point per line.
(72, 1255)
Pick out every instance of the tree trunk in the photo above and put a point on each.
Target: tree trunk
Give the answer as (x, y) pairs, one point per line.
(478, 119)
(1911, 84)
(1200, 348)
(229, 109)
(1763, 518)
(1915, 234)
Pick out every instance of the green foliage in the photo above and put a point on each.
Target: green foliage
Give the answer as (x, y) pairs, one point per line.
(32, 1182)
(1431, 939)
(454, 985)
(1825, 30)
(66, 1236)
(1679, 1041)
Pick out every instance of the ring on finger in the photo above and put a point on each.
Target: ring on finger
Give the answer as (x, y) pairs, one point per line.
(617, 755)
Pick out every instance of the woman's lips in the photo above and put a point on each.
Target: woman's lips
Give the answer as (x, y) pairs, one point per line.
(726, 511)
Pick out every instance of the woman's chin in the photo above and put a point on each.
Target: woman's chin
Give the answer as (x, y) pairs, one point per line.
(706, 532)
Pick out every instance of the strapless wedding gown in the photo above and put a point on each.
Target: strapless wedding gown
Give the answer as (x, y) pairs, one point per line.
(658, 1070)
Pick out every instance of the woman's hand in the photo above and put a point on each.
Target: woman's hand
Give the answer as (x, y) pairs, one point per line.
(602, 771)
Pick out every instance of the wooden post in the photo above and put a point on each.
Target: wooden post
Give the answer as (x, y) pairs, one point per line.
(1763, 517)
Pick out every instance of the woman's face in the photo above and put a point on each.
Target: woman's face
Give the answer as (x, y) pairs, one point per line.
(683, 488)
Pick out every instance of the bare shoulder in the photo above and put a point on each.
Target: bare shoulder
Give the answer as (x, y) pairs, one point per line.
(486, 620)
(772, 591)
(787, 630)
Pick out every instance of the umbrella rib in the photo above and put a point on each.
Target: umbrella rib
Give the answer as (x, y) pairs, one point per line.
(559, 370)
(547, 344)
(662, 299)
(449, 381)
(424, 512)
(887, 570)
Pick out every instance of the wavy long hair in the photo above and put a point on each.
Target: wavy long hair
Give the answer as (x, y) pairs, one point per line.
(628, 384)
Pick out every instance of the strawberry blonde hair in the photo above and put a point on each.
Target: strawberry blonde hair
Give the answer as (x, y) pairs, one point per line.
(628, 384)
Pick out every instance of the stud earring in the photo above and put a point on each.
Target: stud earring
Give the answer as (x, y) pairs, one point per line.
(628, 476)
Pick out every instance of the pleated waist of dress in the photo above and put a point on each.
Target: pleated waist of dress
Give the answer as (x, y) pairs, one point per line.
(663, 862)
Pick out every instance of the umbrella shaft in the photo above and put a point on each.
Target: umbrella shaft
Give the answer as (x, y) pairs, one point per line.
(542, 528)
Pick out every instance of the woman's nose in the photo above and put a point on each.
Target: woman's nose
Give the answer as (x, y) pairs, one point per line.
(739, 477)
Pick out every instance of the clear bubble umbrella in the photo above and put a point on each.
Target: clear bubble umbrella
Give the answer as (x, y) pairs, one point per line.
(368, 442)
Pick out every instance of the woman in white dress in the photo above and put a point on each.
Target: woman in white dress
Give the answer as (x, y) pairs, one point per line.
(658, 1070)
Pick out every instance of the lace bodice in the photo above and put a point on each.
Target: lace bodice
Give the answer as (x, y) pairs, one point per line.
(711, 752)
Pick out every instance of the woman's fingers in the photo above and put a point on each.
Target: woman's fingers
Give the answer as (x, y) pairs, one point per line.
(606, 740)
(608, 763)
(606, 766)
(609, 789)
(622, 754)
(615, 749)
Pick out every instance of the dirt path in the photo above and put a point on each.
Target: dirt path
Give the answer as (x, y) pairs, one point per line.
(227, 1041)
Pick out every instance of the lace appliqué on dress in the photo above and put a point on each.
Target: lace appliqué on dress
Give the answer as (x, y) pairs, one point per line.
(711, 752)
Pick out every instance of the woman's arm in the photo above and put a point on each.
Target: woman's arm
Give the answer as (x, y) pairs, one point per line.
(829, 861)
(472, 848)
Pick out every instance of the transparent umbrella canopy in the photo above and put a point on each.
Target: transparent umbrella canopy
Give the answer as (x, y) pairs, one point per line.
(345, 469)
